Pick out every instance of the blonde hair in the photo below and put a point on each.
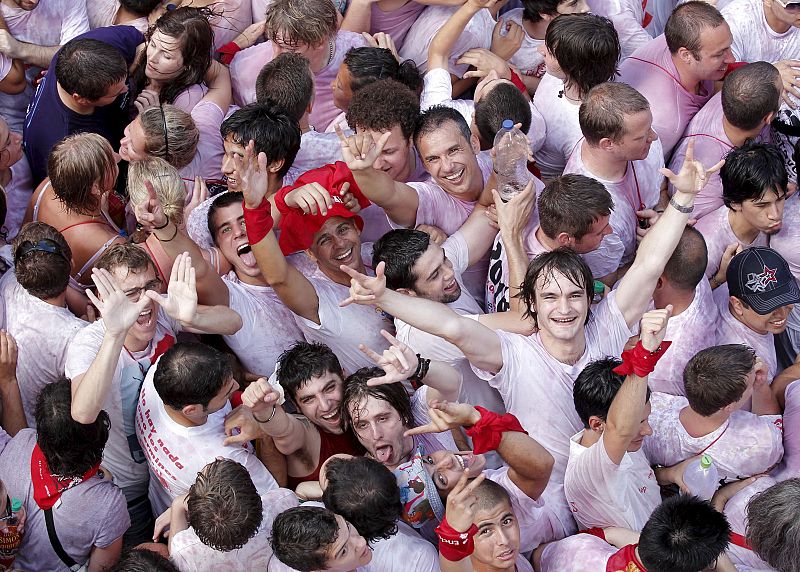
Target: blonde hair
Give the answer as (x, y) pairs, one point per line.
(75, 165)
(309, 22)
(167, 184)
(182, 134)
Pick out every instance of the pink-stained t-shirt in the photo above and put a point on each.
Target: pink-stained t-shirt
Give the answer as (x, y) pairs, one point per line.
(746, 444)
(579, 553)
(18, 195)
(753, 39)
(692, 330)
(562, 130)
(651, 71)
(785, 243)
(247, 63)
(553, 420)
(718, 234)
(527, 58)
(638, 189)
(477, 34)
(397, 22)
(231, 18)
(316, 149)
(602, 493)
(732, 331)
(102, 13)
(207, 162)
(790, 465)
(745, 559)
(628, 17)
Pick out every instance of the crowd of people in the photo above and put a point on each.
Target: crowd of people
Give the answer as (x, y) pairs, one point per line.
(263, 308)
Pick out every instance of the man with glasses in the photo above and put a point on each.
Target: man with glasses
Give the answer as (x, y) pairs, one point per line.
(108, 360)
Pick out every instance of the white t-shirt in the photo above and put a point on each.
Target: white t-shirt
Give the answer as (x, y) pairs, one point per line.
(176, 453)
(51, 23)
(753, 39)
(553, 419)
(527, 59)
(745, 445)
(602, 493)
(207, 161)
(342, 329)
(718, 234)
(42, 332)
(316, 149)
(790, 465)
(579, 553)
(692, 330)
(473, 390)
(269, 328)
(404, 551)
(561, 126)
(189, 553)
(123, 455)
(628, 17)
(102, 13)
(639, 188)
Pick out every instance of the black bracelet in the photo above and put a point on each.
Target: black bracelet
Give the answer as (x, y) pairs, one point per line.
(163, 226)
(271, 415)
(170, 238)
(423, 365)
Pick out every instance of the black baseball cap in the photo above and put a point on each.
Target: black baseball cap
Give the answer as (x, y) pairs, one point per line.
(761, 278)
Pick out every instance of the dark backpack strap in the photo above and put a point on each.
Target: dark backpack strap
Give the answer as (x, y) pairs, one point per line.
(55, 542)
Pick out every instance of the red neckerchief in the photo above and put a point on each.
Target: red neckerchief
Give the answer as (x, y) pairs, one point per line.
(739, 541)
(47, 488)
(625, 560)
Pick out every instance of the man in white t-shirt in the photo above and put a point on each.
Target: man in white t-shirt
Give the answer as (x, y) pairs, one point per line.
(630, 19)
(108, 360)
(683, 285)
(677, 70)
(742, 111)
(708, 420)
(622, 151)
(609, 481)
(180, 422)
(760, 294)
(269, 328)
(754, 182)
(35, 295)
(763, 31)
(557, 292)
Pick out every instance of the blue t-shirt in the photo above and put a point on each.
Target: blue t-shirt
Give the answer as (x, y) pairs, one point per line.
(48, 120)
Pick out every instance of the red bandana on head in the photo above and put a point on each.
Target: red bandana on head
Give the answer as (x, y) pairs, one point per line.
(47, 488)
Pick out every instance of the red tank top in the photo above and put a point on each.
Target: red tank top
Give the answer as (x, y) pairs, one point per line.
(330, 445)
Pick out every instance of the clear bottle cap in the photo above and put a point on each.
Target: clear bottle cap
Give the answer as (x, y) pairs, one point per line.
(706, 461)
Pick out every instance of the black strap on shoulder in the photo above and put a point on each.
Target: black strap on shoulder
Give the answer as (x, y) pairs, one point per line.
(55, 542)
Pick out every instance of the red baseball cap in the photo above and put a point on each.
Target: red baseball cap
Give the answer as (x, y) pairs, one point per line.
(298, 228)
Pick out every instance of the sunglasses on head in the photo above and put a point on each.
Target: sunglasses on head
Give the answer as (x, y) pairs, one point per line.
(789, 6)
(43, 245)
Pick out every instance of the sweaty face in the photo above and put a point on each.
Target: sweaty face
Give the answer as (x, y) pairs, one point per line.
(10, 146)
(232, 148)
(222, 397)
(133, 146)
(380, 429)
(644, 430)
(561, 307)
(436, 279)
(337, 242)
(497, 540)
(446, 468)
(715, 54)
(450, 159)
(342, 93)
(230, 235)
(786, 17)
(319, 398)
(133, 284)
(764, 213)
(590, 241)
(638, 135)
(112, 93)
(396, 158)
(349, 551)
(164, 57)
(772, 323)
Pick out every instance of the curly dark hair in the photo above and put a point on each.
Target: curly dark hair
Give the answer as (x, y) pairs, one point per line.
(371, 109)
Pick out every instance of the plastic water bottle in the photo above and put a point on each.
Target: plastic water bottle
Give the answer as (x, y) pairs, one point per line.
(511, 149)
(11, 539)
(701, 477)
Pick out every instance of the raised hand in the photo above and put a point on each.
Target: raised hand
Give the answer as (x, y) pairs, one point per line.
(252, 174)
(513, 216)
(8, 359)
(505, 45)
(119, 312)
(181, 301)
(398, 361)
(150, 213)
(145, 100)
(199, 195)
(462, 502)
(241, 427)
(484, 61)
(360, 150)
(654, 327)
(446, 415)
(365, 290)
(382, 40)
(693, 176)
(260, 396)
(311, 198)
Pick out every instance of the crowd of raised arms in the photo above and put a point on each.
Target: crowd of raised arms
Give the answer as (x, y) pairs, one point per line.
(399, 285)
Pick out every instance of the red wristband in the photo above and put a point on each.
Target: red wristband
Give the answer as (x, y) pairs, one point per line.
(487, 432)
(594, 531)
(517, 81)
(640, 361)
(455, 545)
(228, 51)
(258, 221)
